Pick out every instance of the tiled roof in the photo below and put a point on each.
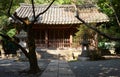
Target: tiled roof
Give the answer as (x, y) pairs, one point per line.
(63, 14)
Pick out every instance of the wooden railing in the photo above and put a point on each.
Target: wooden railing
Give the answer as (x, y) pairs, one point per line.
(53, 43)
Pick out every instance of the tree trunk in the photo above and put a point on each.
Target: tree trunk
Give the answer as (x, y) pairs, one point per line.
(34, 68)
(2, 50)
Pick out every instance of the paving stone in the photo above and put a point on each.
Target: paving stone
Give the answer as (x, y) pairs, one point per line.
(58, 68)
(64, 66)
(53, 64)
(62, 61)
(65, 70)
(51, 69)
(49, 74)
(54, 61)
(66, 75)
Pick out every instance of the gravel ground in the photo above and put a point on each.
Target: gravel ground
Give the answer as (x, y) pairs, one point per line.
(102, 68)
(11, 68)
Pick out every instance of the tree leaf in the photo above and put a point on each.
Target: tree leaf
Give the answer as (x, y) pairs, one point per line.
(11, 32)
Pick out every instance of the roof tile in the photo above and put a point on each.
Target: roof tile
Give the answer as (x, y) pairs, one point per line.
(63, 14)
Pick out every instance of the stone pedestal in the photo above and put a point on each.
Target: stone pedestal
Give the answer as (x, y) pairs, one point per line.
(2, 54)
(83, 56)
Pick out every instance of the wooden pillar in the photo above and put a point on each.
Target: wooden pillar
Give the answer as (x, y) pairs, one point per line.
(71, 37)
(46, 38)
(96, 41)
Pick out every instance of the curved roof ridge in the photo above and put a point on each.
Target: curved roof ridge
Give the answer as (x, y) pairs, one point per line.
(63, 14)
(55, 5)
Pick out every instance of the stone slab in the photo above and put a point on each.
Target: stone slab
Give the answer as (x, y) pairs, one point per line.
(58, 68)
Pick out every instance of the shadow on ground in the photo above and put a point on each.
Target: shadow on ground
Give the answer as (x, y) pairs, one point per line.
(102, 68)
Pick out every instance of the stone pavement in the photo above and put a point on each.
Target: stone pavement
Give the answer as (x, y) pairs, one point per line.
(100, 68)
(58, 68)
(52, 68)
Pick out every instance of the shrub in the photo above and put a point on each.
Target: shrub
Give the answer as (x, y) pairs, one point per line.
(95, 55)
(117, 47)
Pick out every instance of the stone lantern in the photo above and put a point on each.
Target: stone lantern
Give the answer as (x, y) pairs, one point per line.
(85, 48)
(22, 36)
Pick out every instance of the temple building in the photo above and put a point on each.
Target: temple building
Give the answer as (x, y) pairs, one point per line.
(56, 27)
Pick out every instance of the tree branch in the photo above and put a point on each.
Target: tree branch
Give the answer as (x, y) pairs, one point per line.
(19, 18)
(43, 12)
(9, 14)
(14, 16)
(111, 5)
(33, 9)
(95, 29)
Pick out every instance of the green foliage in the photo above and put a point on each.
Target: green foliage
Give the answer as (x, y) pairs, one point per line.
(65, 1)
(78, 35)
(95, 55)
(82, 29)
(102, 45)
(116, 6)
(3, 20)
(56, 1)
(105, 7)
(4, 5)
(5, 26)
(40, 1)
(106, 45)
(111, 29)
(110, 7)
(11, 32)
(86, 1)
(10, 47)
(59, 1)
(117, 47)
(72, 1)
